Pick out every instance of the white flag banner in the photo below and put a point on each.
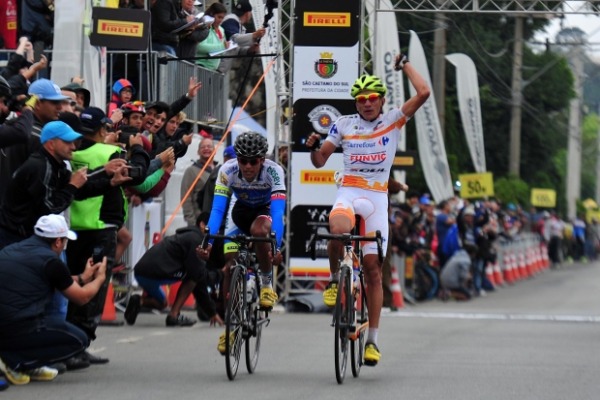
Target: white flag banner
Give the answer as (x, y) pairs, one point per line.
(470, 106)
(269, 44)
(432, 151)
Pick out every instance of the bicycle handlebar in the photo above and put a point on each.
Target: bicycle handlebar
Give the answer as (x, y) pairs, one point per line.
(241, 239)
(348, 239)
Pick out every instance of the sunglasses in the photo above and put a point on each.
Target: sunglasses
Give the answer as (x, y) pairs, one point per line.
(251, 161)
(362, 98)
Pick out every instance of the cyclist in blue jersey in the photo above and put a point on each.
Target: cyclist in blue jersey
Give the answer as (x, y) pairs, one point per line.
(256, 209)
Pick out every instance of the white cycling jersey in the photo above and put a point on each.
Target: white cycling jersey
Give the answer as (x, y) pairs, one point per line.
(369, 148)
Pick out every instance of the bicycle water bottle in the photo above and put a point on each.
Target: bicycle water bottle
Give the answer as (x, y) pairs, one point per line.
(250, 286)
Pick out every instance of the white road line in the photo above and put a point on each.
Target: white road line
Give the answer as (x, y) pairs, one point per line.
(491, 316)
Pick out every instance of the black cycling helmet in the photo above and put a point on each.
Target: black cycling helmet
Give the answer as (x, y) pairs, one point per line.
(5, 90)
(250, 145)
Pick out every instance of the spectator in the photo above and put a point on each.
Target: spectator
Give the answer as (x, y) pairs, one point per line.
(31, 271)
(122, 92)
(174, 134)
(189, 38)
(46, 106)
(215, 40)
(191, 208)
(83, 96)
(15, 131)
(171, 260)
(443, 221)
(456, 275)
(165, 19)
(21, 58)
(37, 23)
(209, 188)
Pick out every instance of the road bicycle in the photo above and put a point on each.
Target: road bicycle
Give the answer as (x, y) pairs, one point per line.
(350, 315)
(244, 318)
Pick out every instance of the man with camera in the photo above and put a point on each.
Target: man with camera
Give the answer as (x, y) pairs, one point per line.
(97, 220)
(16, 130)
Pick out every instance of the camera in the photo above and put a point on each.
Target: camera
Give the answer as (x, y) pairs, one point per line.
(134, 171)
(97, 255)
(126, 132)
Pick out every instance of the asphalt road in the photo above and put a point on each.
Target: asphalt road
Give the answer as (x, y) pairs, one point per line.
(537, 339)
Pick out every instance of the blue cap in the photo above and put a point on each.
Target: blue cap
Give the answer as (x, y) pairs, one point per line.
(45, 89)
(58, 130)
(425, 200)
(93, 118)
(229, 152)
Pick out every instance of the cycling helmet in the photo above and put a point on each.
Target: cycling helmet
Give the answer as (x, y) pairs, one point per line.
(134, 106)
(5, 90)
(368, 82)
(122, 84)
(251, 144)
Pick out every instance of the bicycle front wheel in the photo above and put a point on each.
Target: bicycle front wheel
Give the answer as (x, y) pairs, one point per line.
(343, 321)
(235, 315)
(253, 338)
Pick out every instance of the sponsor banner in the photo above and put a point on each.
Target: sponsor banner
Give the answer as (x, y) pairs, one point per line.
(312, 186)
(316, 116)
(474, 186)
(467, 87)
(306, 220)
(432, 151)
(322, 72)
(543, 198)
(120, 28)
(327, 23)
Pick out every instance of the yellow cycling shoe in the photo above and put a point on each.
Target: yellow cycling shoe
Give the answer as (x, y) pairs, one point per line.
(268, 297)
(330, 294)
(372, 355)
(221, 345)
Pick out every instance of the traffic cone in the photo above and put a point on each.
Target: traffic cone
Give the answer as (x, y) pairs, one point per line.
(523, 265)
(497, 273)
(507, 268)
(396, 289)
(489, 273)
(515, 264)
(190, 302)
(109, 313)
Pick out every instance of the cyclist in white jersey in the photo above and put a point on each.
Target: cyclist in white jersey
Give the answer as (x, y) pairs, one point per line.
(369, 142)
(258, 205)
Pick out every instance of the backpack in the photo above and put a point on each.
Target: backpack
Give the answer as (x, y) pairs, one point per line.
(451, 241)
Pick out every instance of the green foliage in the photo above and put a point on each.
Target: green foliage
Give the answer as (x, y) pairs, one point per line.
(512, 190)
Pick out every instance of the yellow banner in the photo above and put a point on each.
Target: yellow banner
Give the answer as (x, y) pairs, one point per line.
(592, 214)
(543, 198)
(476, 185)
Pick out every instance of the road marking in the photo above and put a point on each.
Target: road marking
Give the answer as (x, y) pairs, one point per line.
(501, 317)
(130, 339)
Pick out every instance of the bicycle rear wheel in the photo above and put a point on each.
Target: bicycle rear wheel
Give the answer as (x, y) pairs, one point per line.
(253, 337)
(344, 311)
(357, 350)
(235, 315)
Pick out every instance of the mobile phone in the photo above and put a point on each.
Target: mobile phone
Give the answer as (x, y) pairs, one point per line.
(97, 255)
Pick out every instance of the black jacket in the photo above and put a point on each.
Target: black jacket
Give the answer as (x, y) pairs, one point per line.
(165, 19)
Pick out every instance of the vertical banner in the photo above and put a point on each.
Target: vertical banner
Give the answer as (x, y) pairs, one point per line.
(269, 44)
(467, 87)
(432, 151)
(325, 65)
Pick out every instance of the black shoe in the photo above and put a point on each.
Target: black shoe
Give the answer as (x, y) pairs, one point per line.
(92, 359)
(76, 362)
(180, 320)
(60, 367)
(133, 309)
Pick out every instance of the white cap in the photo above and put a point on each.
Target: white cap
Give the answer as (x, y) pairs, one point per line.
(197, 3)
(53, 226)
(469, 210)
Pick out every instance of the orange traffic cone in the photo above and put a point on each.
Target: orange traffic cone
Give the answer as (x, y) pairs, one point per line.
(489, 273)
(109, 313)
(396, 289)
(498, 278)
(190, 302)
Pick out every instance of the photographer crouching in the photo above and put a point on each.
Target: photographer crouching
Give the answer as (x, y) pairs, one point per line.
(97, 220)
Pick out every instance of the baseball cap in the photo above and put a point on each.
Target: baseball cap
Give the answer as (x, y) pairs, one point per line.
(45, 89)
(243, 6)
(229, 152)
(469, 210)
(53, 226)
(425, 200)
(58, 130)
(93, 118)
(77, 88)
(72, 120)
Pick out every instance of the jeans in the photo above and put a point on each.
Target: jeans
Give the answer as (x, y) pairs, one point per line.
(153, 286)
(478, 274)
(33, 344)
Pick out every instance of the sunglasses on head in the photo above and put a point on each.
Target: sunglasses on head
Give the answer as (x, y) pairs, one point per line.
(251, 161)
(362, 98)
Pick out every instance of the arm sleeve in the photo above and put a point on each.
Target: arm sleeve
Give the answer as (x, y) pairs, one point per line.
(17, 130)
(277, 211)
(218, 209)
(159, 187)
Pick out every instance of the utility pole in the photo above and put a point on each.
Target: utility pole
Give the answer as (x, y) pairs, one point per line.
(573, 184)
(517, 100)
(439, 67)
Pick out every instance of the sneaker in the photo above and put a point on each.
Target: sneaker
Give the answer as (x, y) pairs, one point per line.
(42, 374)
(268, 297)
(180, 320)
(330, 294)
(94, 359)
(76, 362)
(60, 367)
(372, 355)
(14, 377)
(133, 309)
(221, 345)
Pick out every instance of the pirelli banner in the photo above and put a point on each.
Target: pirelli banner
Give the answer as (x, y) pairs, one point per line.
(120, 28)
(326, 64)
